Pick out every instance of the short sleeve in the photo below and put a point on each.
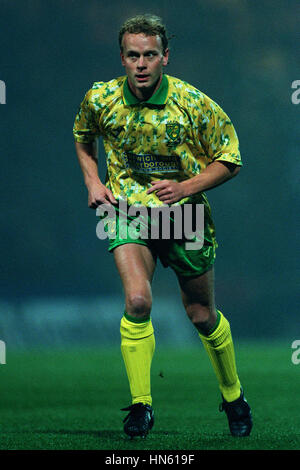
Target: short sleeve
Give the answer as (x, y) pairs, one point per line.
(219, 136)
(86, 125)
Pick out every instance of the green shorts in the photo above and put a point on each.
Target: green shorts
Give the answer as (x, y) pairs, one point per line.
(172, 252)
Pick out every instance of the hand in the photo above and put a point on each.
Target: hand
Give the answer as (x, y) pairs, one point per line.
(100, 194)
(167, 191)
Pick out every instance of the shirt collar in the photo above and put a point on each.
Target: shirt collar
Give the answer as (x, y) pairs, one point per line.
(158, 98)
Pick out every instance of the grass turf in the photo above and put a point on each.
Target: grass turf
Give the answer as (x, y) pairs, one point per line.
(71, 400)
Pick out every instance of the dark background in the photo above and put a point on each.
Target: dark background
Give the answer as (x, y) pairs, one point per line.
(241, 53)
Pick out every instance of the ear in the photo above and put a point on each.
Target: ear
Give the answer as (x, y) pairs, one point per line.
(122, 58)
(166, 57)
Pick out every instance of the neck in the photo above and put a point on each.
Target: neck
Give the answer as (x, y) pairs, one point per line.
(144, 94)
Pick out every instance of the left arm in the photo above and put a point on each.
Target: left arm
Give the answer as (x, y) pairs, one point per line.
(220, 141)
(216, 173)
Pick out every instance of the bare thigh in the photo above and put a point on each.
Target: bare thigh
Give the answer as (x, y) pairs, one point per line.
(136, 266)
(199, 300)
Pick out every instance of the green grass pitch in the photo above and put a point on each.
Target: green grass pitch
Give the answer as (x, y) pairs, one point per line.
(71, 400)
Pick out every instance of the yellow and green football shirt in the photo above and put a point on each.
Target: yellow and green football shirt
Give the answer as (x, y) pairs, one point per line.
(174, 135)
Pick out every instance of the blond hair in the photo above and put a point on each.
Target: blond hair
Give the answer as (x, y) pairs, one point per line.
(150, 25)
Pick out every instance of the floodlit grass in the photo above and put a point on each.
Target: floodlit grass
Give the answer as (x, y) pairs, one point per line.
(72, 399)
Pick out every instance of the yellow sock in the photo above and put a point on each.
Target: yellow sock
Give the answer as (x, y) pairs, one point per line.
(137, 346)
(219, 346)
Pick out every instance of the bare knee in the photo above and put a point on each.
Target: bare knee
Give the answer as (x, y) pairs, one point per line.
(138, 304)
(203, 317)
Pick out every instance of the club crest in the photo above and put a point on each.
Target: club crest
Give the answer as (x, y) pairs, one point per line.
(173, 130)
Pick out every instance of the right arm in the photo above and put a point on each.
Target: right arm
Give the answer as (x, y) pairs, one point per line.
(86, 132)
(98, 193)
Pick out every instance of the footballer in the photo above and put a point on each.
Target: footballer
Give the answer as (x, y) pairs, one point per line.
(166, 143)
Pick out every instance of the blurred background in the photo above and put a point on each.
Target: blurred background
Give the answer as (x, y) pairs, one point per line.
(59, 285)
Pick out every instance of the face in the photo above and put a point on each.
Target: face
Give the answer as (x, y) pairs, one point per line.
(143, 59)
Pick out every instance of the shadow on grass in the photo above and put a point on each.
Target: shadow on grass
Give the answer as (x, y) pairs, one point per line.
(107, 434)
